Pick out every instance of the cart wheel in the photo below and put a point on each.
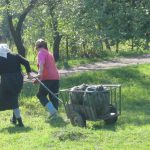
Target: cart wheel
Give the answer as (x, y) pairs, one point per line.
(77, 119)
(111, 120)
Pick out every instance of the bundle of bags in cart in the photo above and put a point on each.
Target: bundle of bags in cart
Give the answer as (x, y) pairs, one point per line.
(96, 97)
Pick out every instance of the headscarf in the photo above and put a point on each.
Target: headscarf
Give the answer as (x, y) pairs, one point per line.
(4, 49)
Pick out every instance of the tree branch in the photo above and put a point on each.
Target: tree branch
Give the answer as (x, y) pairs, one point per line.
(24, 14)
(9, 16)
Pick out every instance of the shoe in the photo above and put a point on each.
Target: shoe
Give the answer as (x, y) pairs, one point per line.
(52, 116)
(14, 122)
(20, 123)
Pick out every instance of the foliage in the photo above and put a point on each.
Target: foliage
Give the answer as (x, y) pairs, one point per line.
(81, 28)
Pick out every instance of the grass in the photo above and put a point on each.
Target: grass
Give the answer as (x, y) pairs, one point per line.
(104, 55)
(132, 130)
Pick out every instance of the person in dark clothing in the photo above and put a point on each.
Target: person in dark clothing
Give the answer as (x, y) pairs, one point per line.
(11, 81)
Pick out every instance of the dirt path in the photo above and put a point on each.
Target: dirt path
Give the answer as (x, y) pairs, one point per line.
(115, 63)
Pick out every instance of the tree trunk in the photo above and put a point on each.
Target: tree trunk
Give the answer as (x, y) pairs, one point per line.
(117, 46)
(132, 44)
(101, 44)
(67, 48)
(56, 37)
(16, 33)
(19, 45)
(56, 44)
(147, 41)
(107, 44)
(84, 44)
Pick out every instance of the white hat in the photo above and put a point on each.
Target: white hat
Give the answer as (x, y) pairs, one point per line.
(4, 49)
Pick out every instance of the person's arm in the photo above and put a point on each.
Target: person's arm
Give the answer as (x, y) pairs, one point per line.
(40, 71)
(41, 62)
(26, 64)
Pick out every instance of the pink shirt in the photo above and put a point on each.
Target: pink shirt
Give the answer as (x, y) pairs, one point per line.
(50, 71)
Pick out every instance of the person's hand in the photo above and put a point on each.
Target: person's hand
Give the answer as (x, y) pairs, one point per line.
(34, 81)
(37, 76)
(30, 76)
(34, 77)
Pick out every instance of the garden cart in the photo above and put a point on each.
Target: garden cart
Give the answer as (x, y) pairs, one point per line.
(92, 102)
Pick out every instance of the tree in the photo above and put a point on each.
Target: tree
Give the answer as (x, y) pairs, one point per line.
(16, 30)
(52, 6)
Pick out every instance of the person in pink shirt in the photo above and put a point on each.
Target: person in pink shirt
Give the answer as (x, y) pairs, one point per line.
(48, 74)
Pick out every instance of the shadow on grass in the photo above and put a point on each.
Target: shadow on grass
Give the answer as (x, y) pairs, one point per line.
(57, 122)
(100, 126)
(15, 129)
(29, 90)
(135, 112)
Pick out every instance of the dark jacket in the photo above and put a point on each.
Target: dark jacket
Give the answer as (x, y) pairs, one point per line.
(11, 80)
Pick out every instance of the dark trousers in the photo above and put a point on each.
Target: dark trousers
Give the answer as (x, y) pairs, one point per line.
(53, 85)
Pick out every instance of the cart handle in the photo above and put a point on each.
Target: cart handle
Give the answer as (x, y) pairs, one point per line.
(48, 89)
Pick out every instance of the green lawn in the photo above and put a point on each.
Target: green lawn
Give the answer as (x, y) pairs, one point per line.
(132, 130)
